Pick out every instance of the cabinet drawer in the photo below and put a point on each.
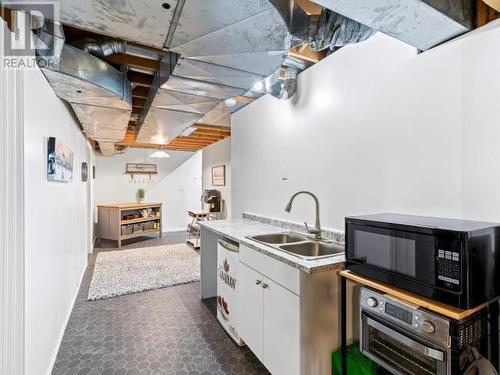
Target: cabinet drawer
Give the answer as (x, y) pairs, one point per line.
(281, 273)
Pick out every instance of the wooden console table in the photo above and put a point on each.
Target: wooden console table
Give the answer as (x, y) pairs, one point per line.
(123, 221)
(429, 304)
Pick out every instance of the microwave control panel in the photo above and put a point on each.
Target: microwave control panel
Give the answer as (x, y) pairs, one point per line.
(449, 269)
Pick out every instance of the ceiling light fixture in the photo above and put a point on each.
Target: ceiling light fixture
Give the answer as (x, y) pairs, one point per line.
(231, 102)
(258, 86)
(160, 154)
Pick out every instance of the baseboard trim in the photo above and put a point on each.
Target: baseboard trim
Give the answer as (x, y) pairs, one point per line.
(65, 325)
(178, 229)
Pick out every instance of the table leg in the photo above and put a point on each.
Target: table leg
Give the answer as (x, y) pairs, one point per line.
(494, 314)
(343, 323)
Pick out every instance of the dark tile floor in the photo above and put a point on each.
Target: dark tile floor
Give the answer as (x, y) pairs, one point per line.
(165, 331)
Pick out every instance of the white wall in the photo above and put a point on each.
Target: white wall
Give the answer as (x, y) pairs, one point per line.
(11, 218)
(57, 226)
(177, 186)
(214, 155)
(375, 127)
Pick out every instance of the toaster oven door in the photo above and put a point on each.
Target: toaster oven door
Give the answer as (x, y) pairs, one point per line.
(398, 352)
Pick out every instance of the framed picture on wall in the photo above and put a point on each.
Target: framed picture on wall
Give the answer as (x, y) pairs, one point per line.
(219, 175)
(59, 161)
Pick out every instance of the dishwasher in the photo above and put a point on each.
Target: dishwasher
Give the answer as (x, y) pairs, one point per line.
(228, 263)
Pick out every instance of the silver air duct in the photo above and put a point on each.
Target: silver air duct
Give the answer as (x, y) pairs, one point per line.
(101, 48)
(333, 30)
(420, 23)
(282, 84)
(99, 94)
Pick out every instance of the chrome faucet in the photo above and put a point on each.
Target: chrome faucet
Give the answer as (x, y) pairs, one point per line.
(316, 231)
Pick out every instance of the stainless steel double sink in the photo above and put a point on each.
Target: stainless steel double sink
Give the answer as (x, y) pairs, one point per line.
(299, 245)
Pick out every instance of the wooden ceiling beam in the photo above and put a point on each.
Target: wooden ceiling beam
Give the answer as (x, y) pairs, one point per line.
(212, 132)
(140, 79)
(154, 146)
(135, 61)
(7, 15)
(138, 102)
(189, 143)
(304, 52)
(212, 127)
(244, 99)
(206, 137)
(140, 92)
(137, 110)
(311, 9)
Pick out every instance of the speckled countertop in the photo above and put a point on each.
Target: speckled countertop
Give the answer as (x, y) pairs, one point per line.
(239, 229)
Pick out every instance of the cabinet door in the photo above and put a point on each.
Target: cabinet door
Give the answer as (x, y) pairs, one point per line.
(281, 330)
(250, 324)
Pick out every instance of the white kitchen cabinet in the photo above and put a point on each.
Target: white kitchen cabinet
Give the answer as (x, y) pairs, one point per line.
(291, 325)
(281, 329)
(270, 322)
(250, 323)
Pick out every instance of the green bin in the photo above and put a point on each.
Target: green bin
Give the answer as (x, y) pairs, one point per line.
(357, 363)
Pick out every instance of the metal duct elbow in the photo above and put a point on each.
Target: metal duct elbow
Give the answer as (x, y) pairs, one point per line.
(282, 84)
(101, 48)
(334, 30)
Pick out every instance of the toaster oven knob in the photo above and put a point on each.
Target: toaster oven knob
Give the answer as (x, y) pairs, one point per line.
(372, 302)
(428, 327)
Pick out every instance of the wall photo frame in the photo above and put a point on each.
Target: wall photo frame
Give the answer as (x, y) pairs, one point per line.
(59, 161)
(219, 175)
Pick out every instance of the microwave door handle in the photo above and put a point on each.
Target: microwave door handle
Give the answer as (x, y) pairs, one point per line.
(422, 349)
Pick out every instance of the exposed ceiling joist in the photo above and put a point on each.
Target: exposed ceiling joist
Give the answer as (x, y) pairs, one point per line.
(304, 52)
(135, 61)
(309, 7)
(212, 127)
(140, 79)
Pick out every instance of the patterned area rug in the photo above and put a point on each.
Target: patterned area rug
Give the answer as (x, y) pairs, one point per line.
(129, 271)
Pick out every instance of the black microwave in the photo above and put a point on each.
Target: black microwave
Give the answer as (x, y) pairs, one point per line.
(456, 262)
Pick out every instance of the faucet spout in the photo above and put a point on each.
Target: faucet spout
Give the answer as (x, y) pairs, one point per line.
(317, 226)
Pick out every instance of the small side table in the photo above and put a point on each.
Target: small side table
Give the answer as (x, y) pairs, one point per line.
(194, 227)
(415, 299)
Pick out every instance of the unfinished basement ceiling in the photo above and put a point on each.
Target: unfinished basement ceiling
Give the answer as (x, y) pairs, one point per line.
(225, 47)
(142, 21)
(204, 53)
(420, 23)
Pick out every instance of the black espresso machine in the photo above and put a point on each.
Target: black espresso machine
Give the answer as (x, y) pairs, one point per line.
(456, 262)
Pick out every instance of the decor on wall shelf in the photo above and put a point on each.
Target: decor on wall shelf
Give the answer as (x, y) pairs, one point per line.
(141, 193)
(85, 172)
(59, 161)
(219, 175)
(141, 168)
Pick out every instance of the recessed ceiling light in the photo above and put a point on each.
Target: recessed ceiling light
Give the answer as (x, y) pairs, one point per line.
(231, 102)
(166, 6)
(258, 86)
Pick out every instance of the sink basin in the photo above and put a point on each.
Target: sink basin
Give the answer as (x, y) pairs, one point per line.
(313, 250)
(279, 238)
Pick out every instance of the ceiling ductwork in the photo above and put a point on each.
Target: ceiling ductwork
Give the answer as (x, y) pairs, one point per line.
(226, 46)
(99, 94)
(333, 31)
(420, 23)
(101, 48)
